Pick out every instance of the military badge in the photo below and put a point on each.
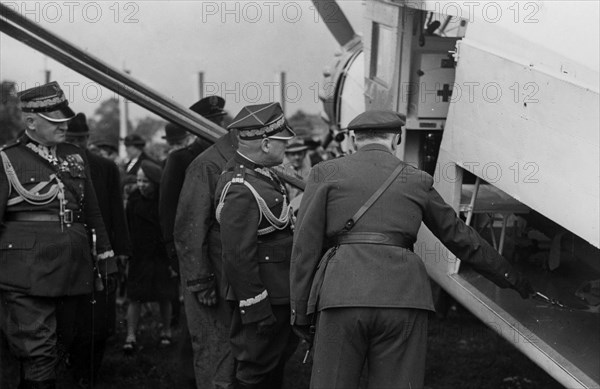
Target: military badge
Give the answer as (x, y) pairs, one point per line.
(74, 165)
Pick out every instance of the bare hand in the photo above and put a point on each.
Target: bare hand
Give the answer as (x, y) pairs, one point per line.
(207, 297)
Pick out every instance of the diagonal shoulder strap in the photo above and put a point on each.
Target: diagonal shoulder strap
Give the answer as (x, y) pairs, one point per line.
(352, 221)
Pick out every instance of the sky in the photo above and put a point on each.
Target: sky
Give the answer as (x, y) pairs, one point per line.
(241, 47)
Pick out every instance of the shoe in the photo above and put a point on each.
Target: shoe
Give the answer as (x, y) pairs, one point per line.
(165, 341)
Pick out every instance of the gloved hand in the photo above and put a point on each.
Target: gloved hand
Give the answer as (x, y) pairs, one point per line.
(520, 283)
(266, 326)
(207, 296)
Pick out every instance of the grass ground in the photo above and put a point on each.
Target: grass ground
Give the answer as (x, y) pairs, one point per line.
(462, 353)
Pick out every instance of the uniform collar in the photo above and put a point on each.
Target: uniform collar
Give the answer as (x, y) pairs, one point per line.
(25, 138)
(374, 147)
(247, 162)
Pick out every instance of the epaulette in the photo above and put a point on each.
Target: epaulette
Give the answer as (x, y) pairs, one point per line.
(239, 174)
(11, 144)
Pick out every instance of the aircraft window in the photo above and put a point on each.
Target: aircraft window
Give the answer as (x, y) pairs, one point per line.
(444, 25)
(381, 60)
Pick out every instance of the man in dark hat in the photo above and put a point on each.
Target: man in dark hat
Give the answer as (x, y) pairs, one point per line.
(256, 230)
(177, 137)
(46, 200)
(107, 147)
(96, 313)
(210, 108)
(134, 147)
(370, 263)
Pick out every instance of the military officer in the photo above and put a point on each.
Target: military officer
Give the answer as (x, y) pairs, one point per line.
(211, 108)
(46, 199)
(256, 233)
(370, 264)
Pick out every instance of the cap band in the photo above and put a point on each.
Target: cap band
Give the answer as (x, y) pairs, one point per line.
(263, 132)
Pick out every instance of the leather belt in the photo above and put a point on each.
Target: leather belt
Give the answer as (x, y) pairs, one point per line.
(275, 235)
(69, 217)
(397, 239)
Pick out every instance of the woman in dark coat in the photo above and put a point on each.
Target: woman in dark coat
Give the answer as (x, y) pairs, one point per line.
(150, 278)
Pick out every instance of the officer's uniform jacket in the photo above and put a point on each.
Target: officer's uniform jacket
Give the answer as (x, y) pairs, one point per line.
(256, 255)
(48, 258)
(374, 275)
(170, 188)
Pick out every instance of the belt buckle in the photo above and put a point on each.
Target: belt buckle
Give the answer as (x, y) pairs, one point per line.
(68, 216)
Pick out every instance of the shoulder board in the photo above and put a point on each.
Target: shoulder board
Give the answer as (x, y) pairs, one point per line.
(238, 174)
(11, 144)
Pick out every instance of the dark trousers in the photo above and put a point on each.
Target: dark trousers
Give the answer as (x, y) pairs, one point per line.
(392, 341)
(96, 317)
(209, 332)
(38, 330)
(260, 360)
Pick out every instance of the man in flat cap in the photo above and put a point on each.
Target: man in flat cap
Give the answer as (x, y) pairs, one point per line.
(171, 194)
(256, 233)
(46, 201)
(367, 216)
(96, 313)
(297, 160)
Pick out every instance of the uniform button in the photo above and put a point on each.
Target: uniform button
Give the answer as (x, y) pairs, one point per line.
(266, 258)
(68, 225)
(10, 245)
(276, 199)
(32, 179)
(242, 312)
(293, 311)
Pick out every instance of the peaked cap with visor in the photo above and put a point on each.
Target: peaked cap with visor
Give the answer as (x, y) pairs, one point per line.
(262, 121)
(44, 99)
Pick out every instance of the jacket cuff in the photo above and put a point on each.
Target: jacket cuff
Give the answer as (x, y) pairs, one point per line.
(298, 314)
(200, 284)
(255, 309)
